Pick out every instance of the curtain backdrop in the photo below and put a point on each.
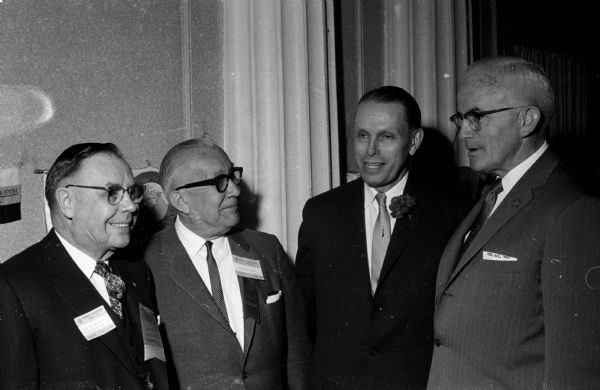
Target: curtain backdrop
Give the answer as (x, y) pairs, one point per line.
(280, 107)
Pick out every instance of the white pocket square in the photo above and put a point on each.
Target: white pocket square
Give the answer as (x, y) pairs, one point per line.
(491, 256)
(274, 297)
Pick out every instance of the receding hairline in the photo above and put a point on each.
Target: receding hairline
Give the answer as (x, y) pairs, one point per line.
(515, 76)
(184, 155)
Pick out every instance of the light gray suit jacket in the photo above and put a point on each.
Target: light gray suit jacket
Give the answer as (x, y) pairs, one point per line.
(520, 309)
(201, 346)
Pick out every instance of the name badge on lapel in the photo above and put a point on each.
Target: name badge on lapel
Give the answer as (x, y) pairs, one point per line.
(153, 346)
(247, 268)
(95, 323)
(491, 256)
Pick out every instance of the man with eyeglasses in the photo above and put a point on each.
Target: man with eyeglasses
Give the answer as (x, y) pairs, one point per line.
(518, 288)
(69, 318)
(233, 315)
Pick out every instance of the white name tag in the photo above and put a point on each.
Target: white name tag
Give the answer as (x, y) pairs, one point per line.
(153, 346)
(247, 268)
(497, 257)
(95, 323)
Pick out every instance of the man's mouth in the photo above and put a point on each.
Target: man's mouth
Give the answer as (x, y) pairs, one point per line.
(121, 225)
(373, 165)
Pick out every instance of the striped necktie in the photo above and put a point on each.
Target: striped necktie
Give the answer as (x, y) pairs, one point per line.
(215, 281)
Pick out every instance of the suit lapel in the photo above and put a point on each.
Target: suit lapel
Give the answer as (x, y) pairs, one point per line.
(250, 289)
(352, 214)
(449, 256)
(520, 195)
(403, 231)
(80, 295)
(181, 270)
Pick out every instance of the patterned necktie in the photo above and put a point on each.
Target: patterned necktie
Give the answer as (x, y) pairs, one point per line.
(381, 239)
(114, 285)
(486, 209)
(215, 281)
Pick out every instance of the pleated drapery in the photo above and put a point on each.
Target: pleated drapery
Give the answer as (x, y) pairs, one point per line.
(279, 110)
(428, 46)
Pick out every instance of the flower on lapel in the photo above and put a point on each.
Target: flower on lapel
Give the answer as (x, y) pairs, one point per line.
(402, 205)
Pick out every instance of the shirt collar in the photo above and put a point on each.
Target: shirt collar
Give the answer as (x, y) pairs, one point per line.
(190, 240)
(85, 262)
(512, 177)
(396, 190)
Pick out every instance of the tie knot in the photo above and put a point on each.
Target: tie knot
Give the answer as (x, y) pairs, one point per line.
(209, 245)
(101, 269)
(496, 187)
(380, 197)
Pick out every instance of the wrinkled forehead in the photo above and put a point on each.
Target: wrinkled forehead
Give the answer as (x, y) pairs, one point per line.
(483, 91)
(201, 163)
(104, 168)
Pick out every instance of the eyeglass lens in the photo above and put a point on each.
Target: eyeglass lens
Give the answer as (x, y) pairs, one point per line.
(116, 193)
(223, 180)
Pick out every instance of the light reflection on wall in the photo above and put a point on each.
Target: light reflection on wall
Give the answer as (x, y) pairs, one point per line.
(23, 108)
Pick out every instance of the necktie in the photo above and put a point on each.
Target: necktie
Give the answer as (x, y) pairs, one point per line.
(381, 239)
(488, 205)
(215, 281)
(114, 285)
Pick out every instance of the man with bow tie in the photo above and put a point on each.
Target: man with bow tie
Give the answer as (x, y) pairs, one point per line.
(368, 253)
(70, 318)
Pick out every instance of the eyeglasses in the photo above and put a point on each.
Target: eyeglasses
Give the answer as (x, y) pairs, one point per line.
(115, 193)
(220, 182)
(473, 117)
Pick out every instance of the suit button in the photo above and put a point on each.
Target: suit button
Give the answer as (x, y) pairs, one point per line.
(372, 351)
(244, 375)
(437, 342)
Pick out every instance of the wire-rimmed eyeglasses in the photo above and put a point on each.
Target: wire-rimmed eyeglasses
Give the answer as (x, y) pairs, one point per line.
(221, 182)
(115, 193)
(474, 116)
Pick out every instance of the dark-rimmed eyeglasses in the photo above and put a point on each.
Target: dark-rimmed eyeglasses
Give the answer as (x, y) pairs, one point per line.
(115, 193)
(220, 182)
(474, 116)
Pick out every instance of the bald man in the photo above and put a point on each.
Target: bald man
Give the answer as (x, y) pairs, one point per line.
(233, 315)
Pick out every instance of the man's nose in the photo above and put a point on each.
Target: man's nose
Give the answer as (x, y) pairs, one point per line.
(127, 204)
(373, 147)
(464, 131)
(233, 189)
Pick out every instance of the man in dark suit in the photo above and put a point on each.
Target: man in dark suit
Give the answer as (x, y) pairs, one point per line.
(370, 292)
(233, 315)
(518, 291)
(66, 320)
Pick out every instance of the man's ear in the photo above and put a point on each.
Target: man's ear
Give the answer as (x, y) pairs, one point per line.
(177, 201)
(65, 202)
(529, 119)
(415, 140)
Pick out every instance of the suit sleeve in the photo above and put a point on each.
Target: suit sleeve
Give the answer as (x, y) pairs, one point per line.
(17, 350)
(571, 297)
(299, 348)
(304, 267)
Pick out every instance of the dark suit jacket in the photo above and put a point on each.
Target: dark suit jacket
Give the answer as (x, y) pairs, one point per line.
(531, 321)
(41, 292)
(203, 348)
(361, 341)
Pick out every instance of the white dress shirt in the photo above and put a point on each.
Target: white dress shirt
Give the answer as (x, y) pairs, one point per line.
(372, 210)
(514, 175)
(86, 264)
(196, 250)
